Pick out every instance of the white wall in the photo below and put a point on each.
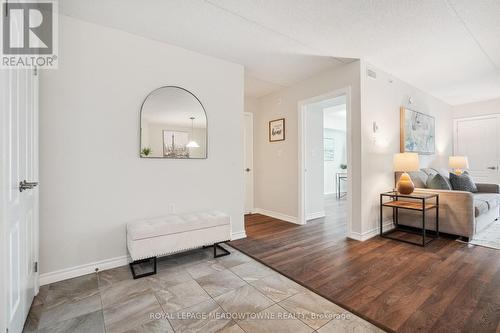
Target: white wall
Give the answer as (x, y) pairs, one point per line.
(92, 179)
(381, 101)
(276, 163)
(477, 109)
(251, 104)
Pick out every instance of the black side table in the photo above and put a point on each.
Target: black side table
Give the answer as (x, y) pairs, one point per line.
(338, 177)
(419, 201)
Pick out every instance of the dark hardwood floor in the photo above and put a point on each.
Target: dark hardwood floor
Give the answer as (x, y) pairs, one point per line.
(446, 287)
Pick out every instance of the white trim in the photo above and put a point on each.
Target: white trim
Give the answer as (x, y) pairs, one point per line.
(102, 265)
(316, 215)
(72, 272)
(388, 225)
(238, 235)
(301, 151)
(276, 215)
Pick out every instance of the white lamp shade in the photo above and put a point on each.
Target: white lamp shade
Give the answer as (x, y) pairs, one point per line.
(406, 162)
(458, 162)
(193, 144)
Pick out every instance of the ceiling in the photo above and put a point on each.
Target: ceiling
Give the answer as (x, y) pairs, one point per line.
(449, 48)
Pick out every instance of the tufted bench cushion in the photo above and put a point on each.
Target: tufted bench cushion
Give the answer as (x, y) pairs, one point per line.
(154, 237)
(173, 224)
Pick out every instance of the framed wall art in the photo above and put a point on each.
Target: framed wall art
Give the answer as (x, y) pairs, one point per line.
(277, 130)
(418, 132)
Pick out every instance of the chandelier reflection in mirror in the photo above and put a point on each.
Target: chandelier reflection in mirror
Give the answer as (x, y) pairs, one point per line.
(173, 125)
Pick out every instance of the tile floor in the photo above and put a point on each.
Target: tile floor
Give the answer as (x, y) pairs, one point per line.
(192, 292)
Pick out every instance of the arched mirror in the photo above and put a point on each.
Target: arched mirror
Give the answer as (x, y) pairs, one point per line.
(173, 125)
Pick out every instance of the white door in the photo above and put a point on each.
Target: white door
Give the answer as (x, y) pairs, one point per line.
(20, 206)
(478, 138)
(248, 143)
(314, 162)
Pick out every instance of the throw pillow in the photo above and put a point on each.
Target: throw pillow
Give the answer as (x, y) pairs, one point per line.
(418, 178)
(438, 182)
(462, 182)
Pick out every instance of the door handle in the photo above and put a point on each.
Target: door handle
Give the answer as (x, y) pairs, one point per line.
(492, 168)
(25, 185)
(247, 169)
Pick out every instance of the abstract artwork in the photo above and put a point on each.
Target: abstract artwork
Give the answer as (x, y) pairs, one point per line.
(418, 133)
(277, 130)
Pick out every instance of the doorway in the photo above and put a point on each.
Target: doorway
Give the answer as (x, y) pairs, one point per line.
(478, 138)
(324, 155)
(19, 196)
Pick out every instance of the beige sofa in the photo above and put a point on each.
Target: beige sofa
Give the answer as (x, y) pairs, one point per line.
(460, 213)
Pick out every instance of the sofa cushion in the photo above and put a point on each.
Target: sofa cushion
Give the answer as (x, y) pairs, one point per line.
(462, 182)
(438, 182)
(172, 224)
(429, 171)
(419, 178)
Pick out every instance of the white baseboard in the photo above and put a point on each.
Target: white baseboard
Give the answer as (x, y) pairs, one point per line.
(316, 215)
(276, 215)
(238, 235)
(72, 272)
(388, 225)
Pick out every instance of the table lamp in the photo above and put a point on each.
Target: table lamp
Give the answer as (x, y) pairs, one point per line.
(458, 163)
(405, 162)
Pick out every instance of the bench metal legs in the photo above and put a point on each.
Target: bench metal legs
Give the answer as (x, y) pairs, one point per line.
(138, 262)
(133, 265)
(224, 251)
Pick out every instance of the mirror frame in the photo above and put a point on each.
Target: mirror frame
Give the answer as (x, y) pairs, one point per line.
(166, 158)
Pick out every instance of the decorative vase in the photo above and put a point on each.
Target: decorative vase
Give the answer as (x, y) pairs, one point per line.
(405, 185)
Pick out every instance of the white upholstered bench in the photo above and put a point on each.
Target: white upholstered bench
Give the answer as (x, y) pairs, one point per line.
(151, 238)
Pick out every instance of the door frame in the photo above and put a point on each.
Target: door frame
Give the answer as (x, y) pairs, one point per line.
(252, 209)
(302, 106)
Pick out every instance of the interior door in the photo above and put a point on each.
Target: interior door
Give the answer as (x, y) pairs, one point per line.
(315, 163)
(20, 200)
(478, 138)
(248, 143)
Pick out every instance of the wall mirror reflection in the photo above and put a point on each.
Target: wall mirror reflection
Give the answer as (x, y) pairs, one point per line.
(173, 125)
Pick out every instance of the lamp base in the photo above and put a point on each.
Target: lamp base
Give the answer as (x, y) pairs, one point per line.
(458, 172)
(405, 185)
